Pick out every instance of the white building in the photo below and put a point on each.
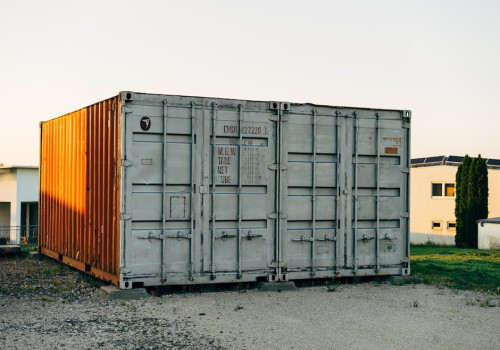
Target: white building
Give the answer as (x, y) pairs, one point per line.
(18, 203)
(488, 233)
(432, 198)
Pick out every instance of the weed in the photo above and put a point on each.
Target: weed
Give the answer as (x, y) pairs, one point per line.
(331, 285)
(415, 303)
(486, 303)
(132, 307)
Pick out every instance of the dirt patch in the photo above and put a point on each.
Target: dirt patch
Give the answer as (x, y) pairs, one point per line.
(44, 279)
(38, 314)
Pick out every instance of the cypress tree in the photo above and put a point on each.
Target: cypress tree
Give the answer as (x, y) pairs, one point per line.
(471, 199)
(471, 205)
(480, 198)
(461, 200)
(483, 188)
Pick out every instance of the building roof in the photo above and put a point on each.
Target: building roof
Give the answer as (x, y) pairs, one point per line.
(449, 160)
(18, 166)
(5, 169)
(490, 220)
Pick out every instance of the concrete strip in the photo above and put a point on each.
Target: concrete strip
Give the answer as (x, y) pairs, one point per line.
(113, 293)
(276, 286)
(9, 249)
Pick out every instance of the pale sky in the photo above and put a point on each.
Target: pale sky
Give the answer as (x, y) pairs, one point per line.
(440, 59)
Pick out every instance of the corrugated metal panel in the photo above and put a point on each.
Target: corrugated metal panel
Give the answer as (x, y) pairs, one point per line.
(79, 189)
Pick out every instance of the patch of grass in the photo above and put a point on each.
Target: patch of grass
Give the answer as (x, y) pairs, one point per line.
(29, 248)
(470, 302)
(472, 269)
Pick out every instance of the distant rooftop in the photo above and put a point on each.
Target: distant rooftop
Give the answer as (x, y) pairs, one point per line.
(449, 160)
(8, 168)
(490, 220)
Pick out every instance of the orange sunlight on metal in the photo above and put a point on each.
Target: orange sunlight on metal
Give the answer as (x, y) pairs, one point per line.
(79, 189)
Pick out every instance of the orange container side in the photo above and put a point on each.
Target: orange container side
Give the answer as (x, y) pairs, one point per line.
(80, 189)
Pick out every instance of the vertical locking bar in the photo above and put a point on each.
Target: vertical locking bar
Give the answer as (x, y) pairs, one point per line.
(356, 199)
(214, 180)
(313, 234)
(378, 195)
(163, 194)
(337, 205)
(406, 188)
(278, 192)
(193, 192)
(240, 174)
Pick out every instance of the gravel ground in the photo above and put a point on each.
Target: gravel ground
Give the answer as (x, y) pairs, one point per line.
(44, 304)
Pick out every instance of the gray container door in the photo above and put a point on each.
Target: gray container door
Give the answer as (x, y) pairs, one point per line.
(377, 181)
(199, 190)
(240, 231)
(162, 233)
(343, 192)
(313, 222)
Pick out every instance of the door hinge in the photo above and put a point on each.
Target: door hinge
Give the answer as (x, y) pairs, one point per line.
(125, 216)
(405, 215)
(125, 270)
(127, 109)
(126, 163)
(405, 170)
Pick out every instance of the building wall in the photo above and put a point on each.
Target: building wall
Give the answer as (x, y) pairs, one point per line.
(488, 235)
(424, 209)
(18, 185)
(8, 193)
(27, 189)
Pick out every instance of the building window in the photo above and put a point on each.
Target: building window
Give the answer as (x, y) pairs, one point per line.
(452, 225)
(449, 190)
(442, 189)
(437, 225)
(437, 190)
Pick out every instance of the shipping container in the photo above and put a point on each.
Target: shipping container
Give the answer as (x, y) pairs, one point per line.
(146, 190)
